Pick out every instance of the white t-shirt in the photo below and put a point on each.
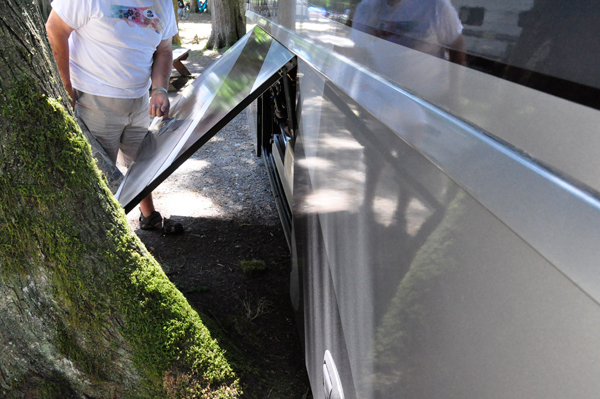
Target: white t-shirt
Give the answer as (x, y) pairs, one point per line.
(112, 45)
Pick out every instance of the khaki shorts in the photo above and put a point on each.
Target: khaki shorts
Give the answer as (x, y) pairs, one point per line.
(117, 123)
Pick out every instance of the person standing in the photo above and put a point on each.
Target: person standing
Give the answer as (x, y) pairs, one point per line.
(114, 59)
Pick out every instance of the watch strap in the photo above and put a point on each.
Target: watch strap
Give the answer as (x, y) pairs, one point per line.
(158, 89)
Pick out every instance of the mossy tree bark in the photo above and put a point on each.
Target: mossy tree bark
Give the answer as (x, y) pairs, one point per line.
(228, 23)
(85, 311)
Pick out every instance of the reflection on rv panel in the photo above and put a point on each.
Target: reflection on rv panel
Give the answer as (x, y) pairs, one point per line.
(444, 192)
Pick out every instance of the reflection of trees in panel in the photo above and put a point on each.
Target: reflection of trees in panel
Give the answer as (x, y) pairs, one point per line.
(404, 197)
(332, 5)
(403, 334)
(240, 80)
(266, 8)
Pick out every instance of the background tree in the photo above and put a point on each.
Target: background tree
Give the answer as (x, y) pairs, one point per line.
(228, 23)
(176, 38)
(45, 8)
(85, 311)
(194, 6)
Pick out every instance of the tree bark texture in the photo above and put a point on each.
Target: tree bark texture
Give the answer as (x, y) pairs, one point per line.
(45, 8)
(85, 311)
(194, 6)
(176, 39)
(228, 23)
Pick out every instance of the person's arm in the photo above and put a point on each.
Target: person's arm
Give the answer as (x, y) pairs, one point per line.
(58, 36)
(161, 72)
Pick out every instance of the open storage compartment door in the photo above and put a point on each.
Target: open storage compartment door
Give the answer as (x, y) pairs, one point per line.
(228, 86)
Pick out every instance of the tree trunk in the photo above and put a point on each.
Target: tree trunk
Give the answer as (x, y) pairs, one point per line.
(85, 311)
(286, 13)
(45, 8)
(176, 39)
(194, 6)
(228, 23)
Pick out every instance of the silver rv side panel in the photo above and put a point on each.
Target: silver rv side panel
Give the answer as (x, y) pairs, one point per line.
(445, 232)
(436, 295)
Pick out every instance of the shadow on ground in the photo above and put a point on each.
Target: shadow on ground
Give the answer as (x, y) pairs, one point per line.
(250, 313)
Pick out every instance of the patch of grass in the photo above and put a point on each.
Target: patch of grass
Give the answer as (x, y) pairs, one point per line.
(253, 267)
(198, 288)
(253, 309)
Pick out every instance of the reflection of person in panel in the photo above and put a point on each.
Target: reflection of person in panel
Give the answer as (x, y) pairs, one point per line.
(430, 26)
(109, 56)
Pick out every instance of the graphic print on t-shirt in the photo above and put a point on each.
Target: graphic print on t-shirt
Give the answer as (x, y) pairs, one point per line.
(144, 17)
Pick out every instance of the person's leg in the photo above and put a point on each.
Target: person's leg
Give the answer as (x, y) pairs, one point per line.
(122, 124)
(147, 205)
(105, 118)
(132, 138)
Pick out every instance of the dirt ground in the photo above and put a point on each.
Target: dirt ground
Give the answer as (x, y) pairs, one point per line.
(223, 198)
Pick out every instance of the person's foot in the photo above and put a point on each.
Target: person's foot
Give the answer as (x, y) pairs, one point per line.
(155, 221)
(151, 222)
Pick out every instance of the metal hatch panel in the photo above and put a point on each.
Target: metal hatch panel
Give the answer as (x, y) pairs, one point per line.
(228, 86)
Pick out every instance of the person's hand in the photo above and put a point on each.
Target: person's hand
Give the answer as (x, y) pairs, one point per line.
(159, 104)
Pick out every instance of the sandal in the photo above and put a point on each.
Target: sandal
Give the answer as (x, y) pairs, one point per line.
(171, 228)
(151, 222)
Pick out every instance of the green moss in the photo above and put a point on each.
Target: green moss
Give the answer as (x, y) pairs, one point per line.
(111, 296)
(199, 288)
(55, 387)
(253, 267)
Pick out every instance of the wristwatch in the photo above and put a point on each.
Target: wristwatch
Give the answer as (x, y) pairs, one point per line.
(158, 89)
